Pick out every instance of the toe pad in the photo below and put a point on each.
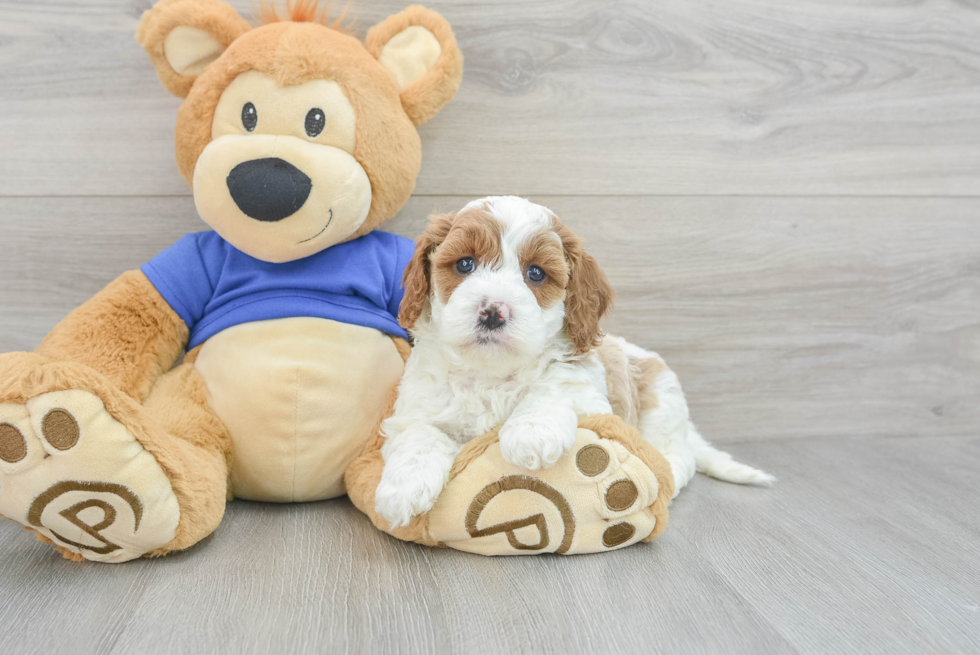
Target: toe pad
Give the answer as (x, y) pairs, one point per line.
(596, 499)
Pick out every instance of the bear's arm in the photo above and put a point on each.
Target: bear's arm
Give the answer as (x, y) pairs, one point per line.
(127, 332)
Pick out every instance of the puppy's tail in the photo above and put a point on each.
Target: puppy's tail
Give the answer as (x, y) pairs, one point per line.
(719, 464)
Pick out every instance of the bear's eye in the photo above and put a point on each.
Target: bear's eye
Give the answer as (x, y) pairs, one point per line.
(314, 121)
(465, 266)
(536, 274)
(250, 117)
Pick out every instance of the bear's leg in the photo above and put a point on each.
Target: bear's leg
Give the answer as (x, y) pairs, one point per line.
(194, 449)
(96, 474)
(611, 491)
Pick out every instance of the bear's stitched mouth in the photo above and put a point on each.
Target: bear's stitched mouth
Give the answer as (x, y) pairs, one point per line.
(329, 219)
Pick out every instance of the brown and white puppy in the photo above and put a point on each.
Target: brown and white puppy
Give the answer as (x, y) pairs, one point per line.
(504, 306)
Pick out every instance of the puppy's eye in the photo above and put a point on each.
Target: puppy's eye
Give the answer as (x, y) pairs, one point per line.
(536, 274)
(250, 117)
(315, 121)
(465, 266)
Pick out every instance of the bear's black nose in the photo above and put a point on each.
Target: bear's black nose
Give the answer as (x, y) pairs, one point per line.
(268, 189)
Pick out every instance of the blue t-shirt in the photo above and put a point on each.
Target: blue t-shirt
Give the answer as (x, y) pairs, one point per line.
(213, 286)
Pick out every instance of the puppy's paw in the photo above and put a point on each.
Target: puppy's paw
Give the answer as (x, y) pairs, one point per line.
(534, 441)
(393, 502)
(408, 490)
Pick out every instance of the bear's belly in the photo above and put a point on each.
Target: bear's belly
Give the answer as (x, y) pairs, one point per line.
(300, 397)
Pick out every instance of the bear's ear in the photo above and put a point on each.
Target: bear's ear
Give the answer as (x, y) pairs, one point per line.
(418, 49)
(183, 36)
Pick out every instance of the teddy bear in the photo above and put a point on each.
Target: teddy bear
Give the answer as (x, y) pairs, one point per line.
(298, 141)
(257, 359)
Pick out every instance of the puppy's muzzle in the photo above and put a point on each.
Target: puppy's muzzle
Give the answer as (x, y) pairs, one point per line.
(493, 316)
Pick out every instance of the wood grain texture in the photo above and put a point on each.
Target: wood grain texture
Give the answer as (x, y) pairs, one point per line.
(784, 317)
(869, 532)
(706, 151)
(839, 557)
(562, 96)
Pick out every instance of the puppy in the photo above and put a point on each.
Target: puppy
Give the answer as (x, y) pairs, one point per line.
(503, 305)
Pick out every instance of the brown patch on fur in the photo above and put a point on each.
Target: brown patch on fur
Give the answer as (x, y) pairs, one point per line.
(416, 279)
(427, 95)
(475, 233)
(621, 382)
(448, 238)
(544, 250)
(647, 372)
(588, 295)
(631, 382)
(301, 11)
(127, 332)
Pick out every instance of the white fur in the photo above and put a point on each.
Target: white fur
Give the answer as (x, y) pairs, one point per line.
(669, 428)
(461, 382)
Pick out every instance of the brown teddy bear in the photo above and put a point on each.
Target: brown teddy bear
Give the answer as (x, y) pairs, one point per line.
(298, 141)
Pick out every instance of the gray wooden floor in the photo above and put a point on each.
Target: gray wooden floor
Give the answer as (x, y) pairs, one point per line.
(787, 198)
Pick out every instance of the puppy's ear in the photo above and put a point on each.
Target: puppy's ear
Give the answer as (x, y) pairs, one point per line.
(588, 295)
(416, 281)
(183, 36)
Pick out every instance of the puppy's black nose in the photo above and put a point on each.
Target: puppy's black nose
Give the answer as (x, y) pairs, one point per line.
(492, 318)
(268, 189)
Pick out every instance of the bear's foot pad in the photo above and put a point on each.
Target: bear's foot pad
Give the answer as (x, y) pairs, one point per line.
(596, 499)
(75, 475)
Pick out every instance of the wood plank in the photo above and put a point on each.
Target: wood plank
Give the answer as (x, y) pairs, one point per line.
(865, 545)
(320, 578)
(784, 317)
(878, 538)
(563, 97)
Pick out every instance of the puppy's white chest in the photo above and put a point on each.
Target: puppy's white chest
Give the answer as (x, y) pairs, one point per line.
(478, 406)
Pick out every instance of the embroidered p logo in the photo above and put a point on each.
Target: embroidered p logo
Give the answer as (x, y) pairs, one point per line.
(73, 513)
(527, 483)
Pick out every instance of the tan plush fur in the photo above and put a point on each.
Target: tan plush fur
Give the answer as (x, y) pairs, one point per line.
(613, 428)
(426, 96)
(122, 344)
(61, 550)
(364, 475)
(127, 332)
(193, 447)
(387, 144)
(402, 347)
(175, 426)
(213, 16)
(300, 11)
